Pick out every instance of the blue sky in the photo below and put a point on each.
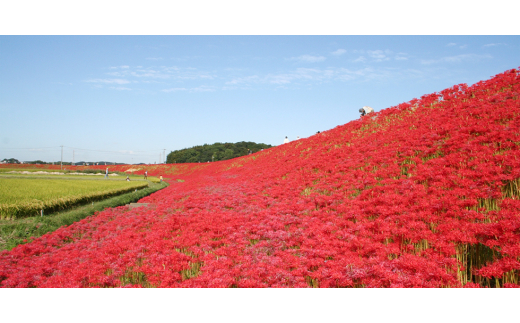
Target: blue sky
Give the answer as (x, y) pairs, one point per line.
(126, 98)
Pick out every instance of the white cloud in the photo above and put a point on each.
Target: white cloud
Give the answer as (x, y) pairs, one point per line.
(339, 52)
(379, 55)
(308, 59)
(455, 59)
(108, 81)
(175, 89)
(344, 74)
(493, 44)
(150, 73)
(117, 67)
(120, 88)
(147, 74)
(240, 80)
(360, 59)
(202, 88)
(401, 57)
(280, 78)
(455, 44)
(301, 76)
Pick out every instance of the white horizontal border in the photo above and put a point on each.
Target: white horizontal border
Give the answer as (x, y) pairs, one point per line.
(267, 17)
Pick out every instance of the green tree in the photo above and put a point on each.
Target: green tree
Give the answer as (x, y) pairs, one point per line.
(228, 154)
(215, 152)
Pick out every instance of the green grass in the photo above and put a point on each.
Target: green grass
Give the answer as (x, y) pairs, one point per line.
(20, 231)
(21, 197)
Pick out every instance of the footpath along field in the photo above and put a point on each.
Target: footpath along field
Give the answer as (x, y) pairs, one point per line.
(423, 194)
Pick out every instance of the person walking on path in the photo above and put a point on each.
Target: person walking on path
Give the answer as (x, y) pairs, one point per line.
(286, 140)
(145, 174)
(160, 179)
(365, 110)
(106, 173)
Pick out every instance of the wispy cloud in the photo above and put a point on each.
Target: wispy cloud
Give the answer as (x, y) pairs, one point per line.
(175, 89)
(494, 44)
(455, 44)
(360, 59)
(161, 72)
(308, 59)
(150, 73)
(301, 76)
(120, 88)
(455, 59)
(338, 52)
(379, 55)
(241, 80)
(154, 58)
(401, 57)
(108, 81)
(202, 88)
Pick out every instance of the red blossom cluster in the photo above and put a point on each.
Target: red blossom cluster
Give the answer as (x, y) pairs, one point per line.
(423, 194)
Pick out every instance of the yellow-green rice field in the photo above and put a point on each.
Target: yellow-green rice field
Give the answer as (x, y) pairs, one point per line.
(21, 197)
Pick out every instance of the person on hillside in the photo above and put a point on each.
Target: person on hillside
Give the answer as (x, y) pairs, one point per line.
(145, 174)
(128, 179)
(365, 110)
(106, 173)
(160, 179)
(286, 140)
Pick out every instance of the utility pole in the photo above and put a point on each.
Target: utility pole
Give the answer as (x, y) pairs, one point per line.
(61, 162)
(164, 155)
(73, 157)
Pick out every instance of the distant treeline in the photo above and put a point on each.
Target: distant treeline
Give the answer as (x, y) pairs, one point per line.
(215, 152)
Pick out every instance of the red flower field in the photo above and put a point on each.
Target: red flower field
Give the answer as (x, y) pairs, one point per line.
(423, 194)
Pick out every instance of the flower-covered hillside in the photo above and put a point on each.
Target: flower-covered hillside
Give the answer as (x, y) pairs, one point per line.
(424, 194)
